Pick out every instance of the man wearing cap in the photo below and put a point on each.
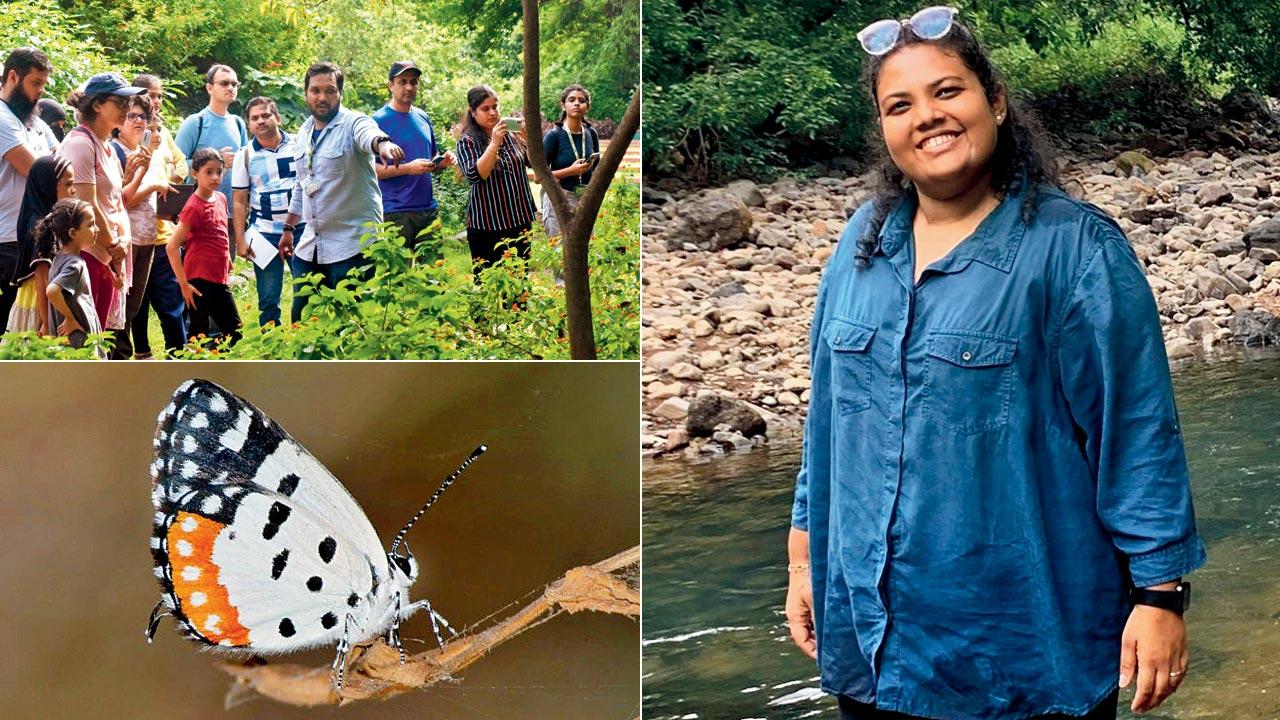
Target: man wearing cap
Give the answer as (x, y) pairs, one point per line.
(407, 199)
(336, 191)
(26, 71)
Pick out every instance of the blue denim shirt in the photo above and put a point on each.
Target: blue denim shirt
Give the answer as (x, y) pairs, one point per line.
(992, 456)
(348, 195)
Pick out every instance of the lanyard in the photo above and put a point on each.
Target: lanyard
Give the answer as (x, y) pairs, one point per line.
(576, 155)
(312, 147)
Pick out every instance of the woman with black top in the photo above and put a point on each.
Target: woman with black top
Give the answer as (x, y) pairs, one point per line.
(500, 206)
(570, 147)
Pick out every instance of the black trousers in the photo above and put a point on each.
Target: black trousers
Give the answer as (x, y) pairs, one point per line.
(484, 243)
(8, 291)
(851, 709)
(215, 302)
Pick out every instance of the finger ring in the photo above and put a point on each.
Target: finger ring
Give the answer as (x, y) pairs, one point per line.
(1174, 674)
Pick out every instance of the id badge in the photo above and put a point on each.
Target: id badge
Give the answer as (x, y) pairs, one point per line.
(311, 187)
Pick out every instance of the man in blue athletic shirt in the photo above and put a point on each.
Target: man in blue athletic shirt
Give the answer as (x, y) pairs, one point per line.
(215, 126)
(407, 199)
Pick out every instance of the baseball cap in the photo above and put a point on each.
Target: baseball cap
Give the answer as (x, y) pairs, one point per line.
(112, 83)
(400, 66)
(51, 111)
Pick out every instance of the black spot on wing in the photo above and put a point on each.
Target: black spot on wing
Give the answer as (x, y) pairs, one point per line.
(328, 547)
(276, 516)
(352, 599)
(288, 484)
(278, 564)
(314, 583)
(286, 628)
(329, 620)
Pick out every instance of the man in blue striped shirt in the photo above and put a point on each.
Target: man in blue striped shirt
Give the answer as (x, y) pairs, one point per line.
(262, 179)
(337, 188)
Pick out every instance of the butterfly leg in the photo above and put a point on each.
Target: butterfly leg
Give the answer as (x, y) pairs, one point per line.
(436, 621)
(156, 617)
(340, 657)
(393, 635)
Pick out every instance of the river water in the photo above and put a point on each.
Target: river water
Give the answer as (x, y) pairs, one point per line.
(714, 641)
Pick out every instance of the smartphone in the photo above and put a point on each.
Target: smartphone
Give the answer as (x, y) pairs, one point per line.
(513, 124)
(146, 138)
(594, 159)
(437, 159)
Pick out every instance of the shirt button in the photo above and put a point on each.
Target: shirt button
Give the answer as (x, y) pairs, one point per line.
(966, 355)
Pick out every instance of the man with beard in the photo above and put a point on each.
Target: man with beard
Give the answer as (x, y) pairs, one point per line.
(26, 71)
(407, 198)
(336, 189)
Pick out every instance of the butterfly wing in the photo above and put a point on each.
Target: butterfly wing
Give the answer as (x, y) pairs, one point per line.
(209, 435)
(251, 569)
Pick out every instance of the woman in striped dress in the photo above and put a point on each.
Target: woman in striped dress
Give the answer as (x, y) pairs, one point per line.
(500, 206)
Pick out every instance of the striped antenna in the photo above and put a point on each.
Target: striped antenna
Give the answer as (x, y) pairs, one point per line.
(436, 495)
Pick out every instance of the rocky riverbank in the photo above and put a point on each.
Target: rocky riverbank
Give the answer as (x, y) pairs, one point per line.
(731, 275)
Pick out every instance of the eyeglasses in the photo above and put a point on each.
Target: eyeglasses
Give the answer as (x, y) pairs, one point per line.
(228, 83)
(930, 23)
(136, 116)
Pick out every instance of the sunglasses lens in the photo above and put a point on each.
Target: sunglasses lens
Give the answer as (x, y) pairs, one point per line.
(879, 37)
(932, 23)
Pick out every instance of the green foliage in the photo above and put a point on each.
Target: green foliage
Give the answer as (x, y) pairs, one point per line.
(74, 54)
(419, 310)
(741, 88)
(179, 39)
(30, 346)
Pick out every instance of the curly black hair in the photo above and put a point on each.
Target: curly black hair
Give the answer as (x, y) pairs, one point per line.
(1022, 155)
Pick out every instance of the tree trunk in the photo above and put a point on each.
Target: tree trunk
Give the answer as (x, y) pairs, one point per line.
(576, 226)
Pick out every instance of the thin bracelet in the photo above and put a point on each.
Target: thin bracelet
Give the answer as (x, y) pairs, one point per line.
(798, 567)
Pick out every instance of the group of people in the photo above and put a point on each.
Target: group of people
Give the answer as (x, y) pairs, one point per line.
(99, 224)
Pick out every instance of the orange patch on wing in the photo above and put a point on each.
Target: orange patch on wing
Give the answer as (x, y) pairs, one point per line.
(195, 581)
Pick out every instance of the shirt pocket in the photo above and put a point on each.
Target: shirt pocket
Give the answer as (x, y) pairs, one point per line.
(329, 165)
(968, 379)
(850, 345)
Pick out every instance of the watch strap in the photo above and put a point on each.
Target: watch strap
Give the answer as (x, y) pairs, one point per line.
(1177, 600)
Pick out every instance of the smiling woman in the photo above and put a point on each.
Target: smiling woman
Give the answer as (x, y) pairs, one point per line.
(993, 516)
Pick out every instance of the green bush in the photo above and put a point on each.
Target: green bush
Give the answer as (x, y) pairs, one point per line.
(419, 310)
(734, 88)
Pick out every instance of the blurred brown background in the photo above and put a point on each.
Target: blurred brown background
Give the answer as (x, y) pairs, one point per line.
(559, 487)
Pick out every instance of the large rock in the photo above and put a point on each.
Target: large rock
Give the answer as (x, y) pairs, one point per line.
(1242, 104)
(1213, 193)
(1256, 327)
(747, 192)
(1131, 162)
(708, 411)
(714, 220)
(1266, 235)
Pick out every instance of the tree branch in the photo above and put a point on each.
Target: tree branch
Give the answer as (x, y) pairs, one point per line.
(375, 670)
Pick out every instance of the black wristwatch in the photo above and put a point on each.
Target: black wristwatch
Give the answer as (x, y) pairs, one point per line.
(1176, 600)
(288, 228)
(379, 140)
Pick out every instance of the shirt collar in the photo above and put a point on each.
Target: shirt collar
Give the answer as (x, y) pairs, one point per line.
(258, 147)
(994, 243)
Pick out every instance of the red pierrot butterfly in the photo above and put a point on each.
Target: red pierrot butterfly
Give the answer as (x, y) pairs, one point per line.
(258, 548)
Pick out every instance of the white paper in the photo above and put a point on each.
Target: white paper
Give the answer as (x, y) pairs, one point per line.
(263, 251)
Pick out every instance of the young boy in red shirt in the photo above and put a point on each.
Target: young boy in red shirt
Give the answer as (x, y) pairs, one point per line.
(203, 274)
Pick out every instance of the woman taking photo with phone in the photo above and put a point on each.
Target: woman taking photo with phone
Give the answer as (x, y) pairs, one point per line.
(491, 156)
(573, 149)
(993, 515)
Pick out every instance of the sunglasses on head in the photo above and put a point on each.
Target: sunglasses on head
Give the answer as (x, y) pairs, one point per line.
(930, 23)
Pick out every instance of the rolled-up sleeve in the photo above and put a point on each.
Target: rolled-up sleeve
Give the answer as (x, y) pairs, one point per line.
(364, 131)
(1115, 377)
(468, 156)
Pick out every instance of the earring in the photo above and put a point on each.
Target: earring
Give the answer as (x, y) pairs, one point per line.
(1000, 118)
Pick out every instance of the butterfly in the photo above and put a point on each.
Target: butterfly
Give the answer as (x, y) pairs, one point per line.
(258, 548)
